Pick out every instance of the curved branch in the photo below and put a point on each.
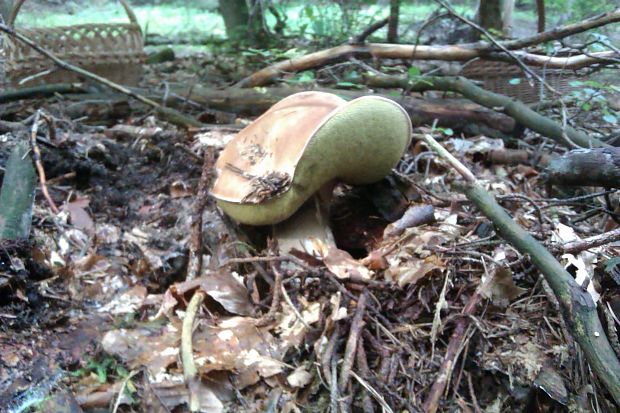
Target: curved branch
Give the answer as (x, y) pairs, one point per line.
(419, 52)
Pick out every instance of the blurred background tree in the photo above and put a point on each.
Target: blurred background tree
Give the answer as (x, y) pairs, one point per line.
(5, 8)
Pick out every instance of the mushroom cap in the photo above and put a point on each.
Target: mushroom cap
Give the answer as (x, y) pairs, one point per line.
(304, 141)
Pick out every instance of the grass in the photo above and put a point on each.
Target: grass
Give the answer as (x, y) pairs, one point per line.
(168, 20)
(315, 19)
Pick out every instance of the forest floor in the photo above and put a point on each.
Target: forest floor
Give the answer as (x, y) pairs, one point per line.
(92, 307)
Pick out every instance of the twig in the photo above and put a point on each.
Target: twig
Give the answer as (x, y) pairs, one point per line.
(120, 392)
(354, 333)
(328, 353)
(578, 308)
(171, 115)
(187, 355)
(333, 387)
(275, 299)
(576, 246)
(431, 403)
(295, 310)
(373, 392)
(37, 162)
(202, 195)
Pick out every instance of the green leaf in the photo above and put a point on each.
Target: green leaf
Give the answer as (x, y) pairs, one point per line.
(413, 72)
(448, 132)
(515, 81)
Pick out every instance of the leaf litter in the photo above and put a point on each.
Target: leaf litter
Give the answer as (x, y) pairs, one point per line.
(101, 294)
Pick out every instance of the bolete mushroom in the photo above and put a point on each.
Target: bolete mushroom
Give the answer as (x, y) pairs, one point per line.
(302, 143)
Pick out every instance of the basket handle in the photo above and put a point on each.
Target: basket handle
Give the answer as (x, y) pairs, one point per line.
(18, 5)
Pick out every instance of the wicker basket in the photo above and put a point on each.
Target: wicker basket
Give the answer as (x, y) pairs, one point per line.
(114, 51)
(497, 77)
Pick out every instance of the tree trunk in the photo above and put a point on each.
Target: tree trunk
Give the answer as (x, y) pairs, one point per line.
(243, 23)
(392, 36)
(490, 15)
(508, 7)
(540, 8)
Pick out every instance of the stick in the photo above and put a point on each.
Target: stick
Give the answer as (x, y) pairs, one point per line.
(354, 333)
(171, 115)
(564, 135)
(577, 306)
(431, 403)
(187, 354)
(577, 246)
(37, 159)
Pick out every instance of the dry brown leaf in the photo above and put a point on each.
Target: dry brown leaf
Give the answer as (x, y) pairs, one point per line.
(500, 288)
(220, 285)
(155, 349)
(80, 219)
(343, 265)
(414, 269)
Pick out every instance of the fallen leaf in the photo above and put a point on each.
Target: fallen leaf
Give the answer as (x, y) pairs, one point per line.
(343, 265)
(300, 377)
(80, 219)
(500, 287)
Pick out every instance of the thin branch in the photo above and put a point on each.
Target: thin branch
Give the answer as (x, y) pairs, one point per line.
(577, 306)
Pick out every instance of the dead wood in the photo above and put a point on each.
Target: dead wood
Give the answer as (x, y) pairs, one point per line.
(168, 114)
(566, 136)
(577, 246)
(588, 167)
(409, 52)
(576, 304)
(514, 157)
(453, 113)
(41, 91)
(446, 52)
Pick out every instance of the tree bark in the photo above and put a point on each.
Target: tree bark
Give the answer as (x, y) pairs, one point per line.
(392, 36)
(508, 7)
(490, 15)
(592, 167)
(540, 8)
(243, 22)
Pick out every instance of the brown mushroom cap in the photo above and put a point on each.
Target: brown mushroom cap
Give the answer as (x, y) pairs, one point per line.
(304, 141)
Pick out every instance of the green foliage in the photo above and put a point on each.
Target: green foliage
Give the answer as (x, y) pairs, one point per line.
(591, 94)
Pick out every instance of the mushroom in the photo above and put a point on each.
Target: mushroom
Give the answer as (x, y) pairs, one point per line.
(304, 143)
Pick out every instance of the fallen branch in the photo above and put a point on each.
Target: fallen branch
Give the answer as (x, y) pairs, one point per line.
(577, 246)
(566, 135)
(594, 167)
(578, 308)
(168, 114)
(41, 91)
(409, 52)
